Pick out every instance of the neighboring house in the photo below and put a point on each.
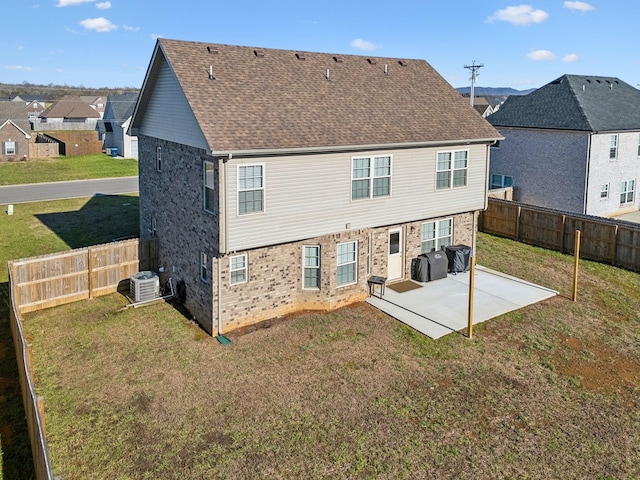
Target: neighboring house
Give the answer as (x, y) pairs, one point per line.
(67, 113)
(14, 131)
(97, 103)
(35, 108)
(277, 181)
(116, 120)
(572, 145)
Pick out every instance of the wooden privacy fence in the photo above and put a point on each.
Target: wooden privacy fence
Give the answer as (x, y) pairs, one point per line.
(50, 280)
(59, 278)
(602, 239)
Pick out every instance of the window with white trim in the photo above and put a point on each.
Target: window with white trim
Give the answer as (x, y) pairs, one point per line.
(451, 169)
(500, 181)
(159, 158)
(613, 147)
(639, 145)
(627, 191)
(204, 267)
(604, 191)
(209, 186)
(370, 177)
(250, 189)
(9, 148)
(347, 263)
(311, 266)
(238, 269)
(436, 235)
(154, 229)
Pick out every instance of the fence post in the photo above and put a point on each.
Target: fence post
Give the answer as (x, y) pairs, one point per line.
(472, 269)
(614, 247)
(90, 268)
(576, 252)
(41, 412)
(518, 224)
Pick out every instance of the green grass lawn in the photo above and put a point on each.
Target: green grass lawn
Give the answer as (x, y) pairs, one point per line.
(66, 168)
(548, 391)
(35, 229)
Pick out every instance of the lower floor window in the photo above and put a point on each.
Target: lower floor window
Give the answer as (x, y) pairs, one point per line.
(500, 181)
(311, 262)
(238, 272)
(436, 235)
(204, 267)
(347, 263)
(9, 148)
(627, 191)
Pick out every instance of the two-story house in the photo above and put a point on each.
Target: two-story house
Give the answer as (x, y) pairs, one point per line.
(277, 181)
(572, 145)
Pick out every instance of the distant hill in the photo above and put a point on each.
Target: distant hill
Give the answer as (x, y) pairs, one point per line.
(54, 92)
(494, 91)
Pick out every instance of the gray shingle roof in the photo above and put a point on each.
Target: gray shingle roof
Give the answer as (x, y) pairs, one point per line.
(574, 102)
(282, 99)
(121, 106)
(16, 112)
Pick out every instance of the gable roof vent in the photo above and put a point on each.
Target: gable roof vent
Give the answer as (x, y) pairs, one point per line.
(372, 61)
(300, 56)
(212, 49)
(337, 59)
(258, 52)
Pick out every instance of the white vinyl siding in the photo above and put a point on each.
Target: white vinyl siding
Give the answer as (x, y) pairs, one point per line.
(209, 186)
(311, 266)
(347, 272)
(436, 235)
(238, 269)
(307, 196)
(452, 169)
(250, 189)
(370, 177)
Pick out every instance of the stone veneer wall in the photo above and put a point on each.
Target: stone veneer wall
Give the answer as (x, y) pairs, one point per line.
(274, 286)
(174, 197)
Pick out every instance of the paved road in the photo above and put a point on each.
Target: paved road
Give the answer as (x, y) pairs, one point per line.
(38, 192)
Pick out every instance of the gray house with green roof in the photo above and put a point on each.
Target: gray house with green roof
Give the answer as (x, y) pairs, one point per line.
(572, 145)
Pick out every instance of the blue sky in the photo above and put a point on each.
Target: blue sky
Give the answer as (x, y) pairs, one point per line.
(108, 43)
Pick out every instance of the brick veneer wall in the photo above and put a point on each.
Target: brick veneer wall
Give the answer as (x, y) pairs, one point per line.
(174, 197)
(12, 134)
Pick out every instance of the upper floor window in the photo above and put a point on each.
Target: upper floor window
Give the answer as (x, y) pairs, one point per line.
(501, 181)
(627, 189)
(451, 169)
(209, 186)
(604, 190)
(9, 148)
(436, 235)
(370, 177)
(639, 145)
(613, 146)
(250, 188)
(159, 158)
(204, 267)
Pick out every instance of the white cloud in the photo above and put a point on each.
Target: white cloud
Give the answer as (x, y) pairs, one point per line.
(103, 5)
(541, 55)
(129, 28)
(17, 67)
(520, 15)
(572, 57)
(66, 3)
(99, 24)
(365, 45)
(580, 6)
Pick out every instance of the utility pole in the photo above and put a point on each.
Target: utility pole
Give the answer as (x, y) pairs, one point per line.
(474, 67)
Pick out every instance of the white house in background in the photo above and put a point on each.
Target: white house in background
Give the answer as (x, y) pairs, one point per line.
(572, 145)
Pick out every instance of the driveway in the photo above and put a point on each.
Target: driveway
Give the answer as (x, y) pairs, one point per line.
(39, 192)
(440, 307)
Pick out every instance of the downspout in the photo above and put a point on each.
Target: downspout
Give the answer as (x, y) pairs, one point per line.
(224, 242)
(586, 179)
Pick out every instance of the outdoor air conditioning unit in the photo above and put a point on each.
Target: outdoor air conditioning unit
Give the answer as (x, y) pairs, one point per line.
(145, 286)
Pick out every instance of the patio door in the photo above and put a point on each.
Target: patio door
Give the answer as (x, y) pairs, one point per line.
(394, 263)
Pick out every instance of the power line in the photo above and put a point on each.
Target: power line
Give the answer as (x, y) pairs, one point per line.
(474, 67)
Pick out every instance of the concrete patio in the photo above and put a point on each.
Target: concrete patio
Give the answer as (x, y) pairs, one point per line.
(441, 307)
